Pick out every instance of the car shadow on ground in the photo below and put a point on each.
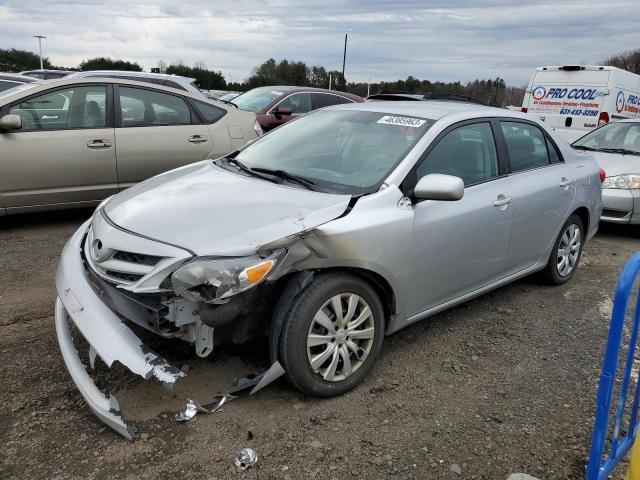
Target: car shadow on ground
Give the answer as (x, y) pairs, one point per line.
(38, 219)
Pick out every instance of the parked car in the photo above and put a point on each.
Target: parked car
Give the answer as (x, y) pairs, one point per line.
(10, 80)
(276, 105)
(616, 147)
(58, 138)
(395, 95)
(46, 74)
(575, 99)
(324, 235)
(174, 81)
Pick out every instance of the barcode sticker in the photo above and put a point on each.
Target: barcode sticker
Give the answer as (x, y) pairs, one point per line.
(402, 121)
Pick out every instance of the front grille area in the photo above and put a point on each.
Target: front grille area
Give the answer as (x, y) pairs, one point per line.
(137, 258)
(128, 261)
(127, 277)
(607, 212)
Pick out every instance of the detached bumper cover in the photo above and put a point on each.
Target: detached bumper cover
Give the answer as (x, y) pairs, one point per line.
(107, 335)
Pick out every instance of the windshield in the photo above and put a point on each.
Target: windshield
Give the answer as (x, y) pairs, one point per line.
(19, 88)
(618, 136)
(256, 99)
(342, 151)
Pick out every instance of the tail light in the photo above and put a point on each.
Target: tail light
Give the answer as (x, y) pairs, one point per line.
(603, 119)
(603, 175)
(524, 109)
(257, 128)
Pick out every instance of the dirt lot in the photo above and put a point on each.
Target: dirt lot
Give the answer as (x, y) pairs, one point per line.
(503, 384)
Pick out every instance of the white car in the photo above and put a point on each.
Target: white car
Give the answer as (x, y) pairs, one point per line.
(74, 142)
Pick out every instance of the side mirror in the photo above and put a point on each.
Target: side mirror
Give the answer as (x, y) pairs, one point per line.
(10, 122)
(437, 186)
(283, 111)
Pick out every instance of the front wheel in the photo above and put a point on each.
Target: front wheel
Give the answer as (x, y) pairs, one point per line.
(332, 335)
(566, 252)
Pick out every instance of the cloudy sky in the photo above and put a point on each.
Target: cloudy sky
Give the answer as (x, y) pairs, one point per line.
(388, 39)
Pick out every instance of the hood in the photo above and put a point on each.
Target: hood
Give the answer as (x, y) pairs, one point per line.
(617, 164)
(212, 211)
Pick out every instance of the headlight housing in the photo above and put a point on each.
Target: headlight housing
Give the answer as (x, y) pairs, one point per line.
(215, 280)
(629, 181)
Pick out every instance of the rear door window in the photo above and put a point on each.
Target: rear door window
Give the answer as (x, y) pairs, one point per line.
(141, 108)
(526, 144)
(326, 100)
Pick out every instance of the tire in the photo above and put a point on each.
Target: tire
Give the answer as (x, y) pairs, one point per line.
(556, 272)
(305, 335)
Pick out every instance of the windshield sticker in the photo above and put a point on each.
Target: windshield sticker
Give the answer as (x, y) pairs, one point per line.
(274, 92)
(402, 121)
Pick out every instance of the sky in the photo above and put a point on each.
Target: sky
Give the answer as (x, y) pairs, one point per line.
(435, 40)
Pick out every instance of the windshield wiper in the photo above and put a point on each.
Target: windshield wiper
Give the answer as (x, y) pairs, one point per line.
(622, 151)
(582, 147)
(226, 101)
(251, 171)
(289, 176)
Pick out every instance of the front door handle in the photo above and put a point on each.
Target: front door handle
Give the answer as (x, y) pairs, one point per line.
(197, 139)
(502, 201)
(99, 144)
(565, 183)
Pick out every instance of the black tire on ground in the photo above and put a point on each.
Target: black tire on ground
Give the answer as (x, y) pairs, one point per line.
(293, 339)
(551, 273)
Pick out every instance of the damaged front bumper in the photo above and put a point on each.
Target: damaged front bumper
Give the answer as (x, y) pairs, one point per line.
(109, 338)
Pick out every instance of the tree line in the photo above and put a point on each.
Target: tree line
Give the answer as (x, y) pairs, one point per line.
(629, 61)
(283, 72)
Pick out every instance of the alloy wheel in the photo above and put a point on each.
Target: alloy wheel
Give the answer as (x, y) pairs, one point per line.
(568, 250)
(340, 337)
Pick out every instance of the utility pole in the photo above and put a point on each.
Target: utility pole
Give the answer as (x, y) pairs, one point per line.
(40, 37)
(368, 86)
(344, 57)
(329, 80)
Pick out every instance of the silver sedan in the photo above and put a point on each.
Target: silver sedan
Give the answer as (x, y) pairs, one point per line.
(334, 230)
(616, 147)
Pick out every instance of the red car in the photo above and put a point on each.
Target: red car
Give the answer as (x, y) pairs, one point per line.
(274, 106)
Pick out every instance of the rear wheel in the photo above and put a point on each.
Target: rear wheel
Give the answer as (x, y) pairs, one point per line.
(566, 252)
(332, 335)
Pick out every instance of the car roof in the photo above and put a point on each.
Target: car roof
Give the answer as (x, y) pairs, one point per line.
(432, 109)
(41, 85)
(292, 89)
(164, 76)
(17, 77)
(44, 70)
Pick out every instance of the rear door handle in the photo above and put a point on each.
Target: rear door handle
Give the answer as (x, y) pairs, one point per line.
(197, 139)
(99, 144)
(565, 182)
(502, 200)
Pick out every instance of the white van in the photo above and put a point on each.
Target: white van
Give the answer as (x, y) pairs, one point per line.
(575, 99)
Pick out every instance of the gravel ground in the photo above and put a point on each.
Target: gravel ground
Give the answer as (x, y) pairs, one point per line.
(502, 384)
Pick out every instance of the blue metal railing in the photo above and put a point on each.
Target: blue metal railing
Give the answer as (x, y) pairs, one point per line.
(597, 468)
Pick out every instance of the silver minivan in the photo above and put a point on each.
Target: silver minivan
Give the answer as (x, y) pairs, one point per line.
(324, 236)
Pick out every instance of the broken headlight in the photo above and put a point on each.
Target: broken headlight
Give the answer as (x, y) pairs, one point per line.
(214, 280)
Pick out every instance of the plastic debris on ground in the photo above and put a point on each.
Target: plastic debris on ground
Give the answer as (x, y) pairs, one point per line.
(245, 458)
